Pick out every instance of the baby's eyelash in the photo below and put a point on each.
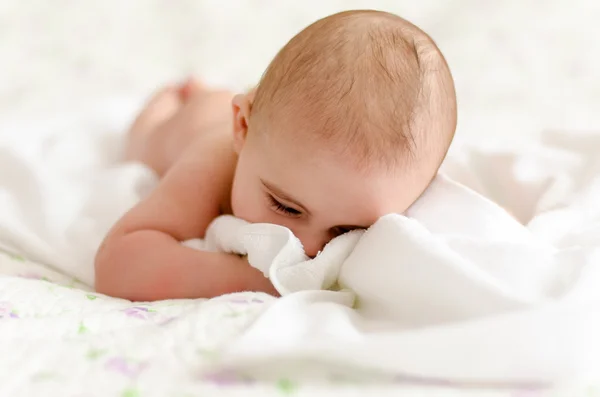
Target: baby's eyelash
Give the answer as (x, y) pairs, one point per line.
(338, 231)
(282, 209)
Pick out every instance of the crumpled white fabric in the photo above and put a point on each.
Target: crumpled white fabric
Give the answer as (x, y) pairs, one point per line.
(458, 277)
(455, 255)
(457, 289)
(400, 262)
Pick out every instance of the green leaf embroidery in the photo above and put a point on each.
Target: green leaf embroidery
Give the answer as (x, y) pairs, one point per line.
(72, 283)
(16, 257)
(82, 328)
(232, 314)
(207, 354)
(286, 386)
(131, 392)
(93, 354)
(91, 297)
(44, 375)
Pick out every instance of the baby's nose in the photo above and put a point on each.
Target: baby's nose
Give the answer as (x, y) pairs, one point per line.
(313, 244)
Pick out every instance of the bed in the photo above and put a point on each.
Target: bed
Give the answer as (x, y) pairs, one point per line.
(60, 338)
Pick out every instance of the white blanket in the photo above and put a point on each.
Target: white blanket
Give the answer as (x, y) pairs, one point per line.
(456, 290)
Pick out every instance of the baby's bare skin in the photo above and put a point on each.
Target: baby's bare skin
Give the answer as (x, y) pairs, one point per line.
(173, 118)
(350, 122)
(184, 134)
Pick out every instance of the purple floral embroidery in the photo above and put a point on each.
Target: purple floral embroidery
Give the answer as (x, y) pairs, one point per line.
(227, 378)
(124, 367)
(6, 310)
(143, 313)
(166, 320)
(33, 276)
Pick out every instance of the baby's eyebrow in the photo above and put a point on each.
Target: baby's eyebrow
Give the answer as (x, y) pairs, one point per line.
(283, 195)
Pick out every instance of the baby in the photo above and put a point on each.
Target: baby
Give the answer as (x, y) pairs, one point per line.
(350, 122)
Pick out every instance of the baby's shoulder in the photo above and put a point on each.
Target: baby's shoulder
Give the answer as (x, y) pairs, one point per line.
(203, 175)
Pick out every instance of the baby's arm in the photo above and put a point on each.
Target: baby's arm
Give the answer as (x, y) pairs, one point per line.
(142, 258)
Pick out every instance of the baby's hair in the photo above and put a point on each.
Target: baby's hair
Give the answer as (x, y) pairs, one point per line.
(369, 83)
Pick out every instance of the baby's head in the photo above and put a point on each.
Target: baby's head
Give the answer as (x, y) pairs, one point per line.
(350, 122)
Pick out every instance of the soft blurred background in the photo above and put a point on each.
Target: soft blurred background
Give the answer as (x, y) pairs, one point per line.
(520, 65)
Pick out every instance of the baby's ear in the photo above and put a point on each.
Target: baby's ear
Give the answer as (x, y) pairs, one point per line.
(241, 106)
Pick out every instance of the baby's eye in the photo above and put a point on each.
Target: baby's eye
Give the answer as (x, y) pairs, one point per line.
(339, 230)
(283, 209)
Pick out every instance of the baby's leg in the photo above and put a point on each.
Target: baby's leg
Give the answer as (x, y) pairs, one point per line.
(161, 107)
(174, 117)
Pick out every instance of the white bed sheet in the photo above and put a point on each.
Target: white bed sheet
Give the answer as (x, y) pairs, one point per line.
(59, 338)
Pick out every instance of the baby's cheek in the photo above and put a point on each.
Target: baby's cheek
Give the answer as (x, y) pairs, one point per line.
(248, 207)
